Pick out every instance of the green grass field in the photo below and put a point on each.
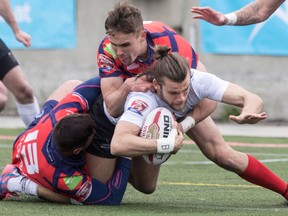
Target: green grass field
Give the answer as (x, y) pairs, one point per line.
(188, 185)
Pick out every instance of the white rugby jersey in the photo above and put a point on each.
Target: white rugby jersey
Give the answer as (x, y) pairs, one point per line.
(202, 85)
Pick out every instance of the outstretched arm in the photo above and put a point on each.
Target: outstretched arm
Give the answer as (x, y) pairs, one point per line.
(251, 104)
(6, 13)
(255, 12)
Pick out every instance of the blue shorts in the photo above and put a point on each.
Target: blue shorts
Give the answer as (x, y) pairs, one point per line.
(100, 145)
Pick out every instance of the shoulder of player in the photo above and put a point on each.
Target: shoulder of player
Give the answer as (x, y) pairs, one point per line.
(147, 94)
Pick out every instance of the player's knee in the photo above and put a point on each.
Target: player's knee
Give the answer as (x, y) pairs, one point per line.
(3, 99)
(3, 102)
(147, 190)
(144, 188)
(24, 95)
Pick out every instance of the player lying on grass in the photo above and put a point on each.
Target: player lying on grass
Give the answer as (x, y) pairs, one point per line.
(179, 89)
(51, 153)
(11, 181)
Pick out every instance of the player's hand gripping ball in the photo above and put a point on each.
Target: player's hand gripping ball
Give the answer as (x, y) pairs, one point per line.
(158, 124)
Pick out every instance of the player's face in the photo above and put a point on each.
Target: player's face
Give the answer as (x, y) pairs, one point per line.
(128, 46)
(173, 93)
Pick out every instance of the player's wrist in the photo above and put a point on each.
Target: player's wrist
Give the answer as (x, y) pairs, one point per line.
(231, 18)
(126, 87)
(166, 145)
(187, 123)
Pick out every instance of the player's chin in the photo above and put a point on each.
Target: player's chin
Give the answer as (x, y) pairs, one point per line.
(126, 61)
(178, 107)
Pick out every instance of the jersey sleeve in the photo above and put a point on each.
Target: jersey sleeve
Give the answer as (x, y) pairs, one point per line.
(89, 90)
(113, 191)
(138, 105)
(71, 103)
(107, 60)
(206, 85)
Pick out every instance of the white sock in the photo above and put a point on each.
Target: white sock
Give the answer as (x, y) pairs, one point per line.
(24, 185)
(14, 184)
(27, 112)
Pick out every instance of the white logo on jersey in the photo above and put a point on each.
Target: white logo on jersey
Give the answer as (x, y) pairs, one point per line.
(29, 153)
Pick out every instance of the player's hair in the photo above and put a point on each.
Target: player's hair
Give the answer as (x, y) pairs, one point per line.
(170, 65)
(72, 132)
(125, 18)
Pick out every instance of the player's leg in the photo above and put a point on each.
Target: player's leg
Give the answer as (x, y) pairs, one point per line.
(209, 140)
(13, 78)
(15, 81)
(27, 105)
(4, 68)
(143, 176)
(64, 89)
(100, 168)
(3, 96)
(12, 182)
(211, 143)
(115, 187)
(119, 180)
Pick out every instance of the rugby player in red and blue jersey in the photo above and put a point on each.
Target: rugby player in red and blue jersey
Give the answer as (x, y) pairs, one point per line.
(51, 151)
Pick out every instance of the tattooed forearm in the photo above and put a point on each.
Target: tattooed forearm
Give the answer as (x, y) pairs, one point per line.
(248, 14)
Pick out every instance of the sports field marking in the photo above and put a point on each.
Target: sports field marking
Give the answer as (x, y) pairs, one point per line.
(261, 145)
(188, 151)
(209, 185)
(6, 137)
(276, 160)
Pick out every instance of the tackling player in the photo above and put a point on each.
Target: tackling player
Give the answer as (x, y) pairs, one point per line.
(51, 152)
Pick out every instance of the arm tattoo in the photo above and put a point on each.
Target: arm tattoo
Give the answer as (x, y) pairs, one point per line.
(248, 14)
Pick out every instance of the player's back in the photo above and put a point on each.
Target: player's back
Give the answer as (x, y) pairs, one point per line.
(36, 155)
(161, 34)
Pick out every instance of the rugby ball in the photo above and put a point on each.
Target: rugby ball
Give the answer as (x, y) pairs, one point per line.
(158, 124)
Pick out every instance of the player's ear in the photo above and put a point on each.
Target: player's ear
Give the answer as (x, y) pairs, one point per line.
(155, 84)
(143, 35)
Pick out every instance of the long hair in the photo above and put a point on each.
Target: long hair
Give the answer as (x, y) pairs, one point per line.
(125, 18)
(170, 65)
(73, 131)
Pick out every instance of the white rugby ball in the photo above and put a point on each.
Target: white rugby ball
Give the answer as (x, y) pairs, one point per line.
(158, 124)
